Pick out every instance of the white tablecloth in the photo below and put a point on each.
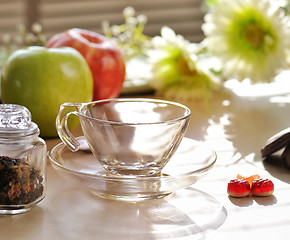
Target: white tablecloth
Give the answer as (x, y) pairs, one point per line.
(236, 124)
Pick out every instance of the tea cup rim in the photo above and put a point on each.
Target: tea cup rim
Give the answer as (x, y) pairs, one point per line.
(185, 116)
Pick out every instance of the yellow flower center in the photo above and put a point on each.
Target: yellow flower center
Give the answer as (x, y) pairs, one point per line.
(254, 35)
(184, 68)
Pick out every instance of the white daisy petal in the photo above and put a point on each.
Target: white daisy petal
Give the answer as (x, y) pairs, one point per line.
(260, 53)
(167, 33)
(174, 68)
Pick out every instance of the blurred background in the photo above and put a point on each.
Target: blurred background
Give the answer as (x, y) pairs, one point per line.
(184, 16)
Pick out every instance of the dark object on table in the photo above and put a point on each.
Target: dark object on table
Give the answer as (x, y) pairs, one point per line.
(277, 142)
(286, 156)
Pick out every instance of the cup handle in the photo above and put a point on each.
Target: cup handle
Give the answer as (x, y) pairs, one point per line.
(62, 127)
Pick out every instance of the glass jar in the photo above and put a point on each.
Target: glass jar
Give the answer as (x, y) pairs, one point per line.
(22, 160)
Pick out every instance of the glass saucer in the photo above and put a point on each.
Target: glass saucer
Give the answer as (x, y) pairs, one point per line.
(191, 161)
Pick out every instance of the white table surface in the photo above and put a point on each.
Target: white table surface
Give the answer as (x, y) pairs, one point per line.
(236, 125)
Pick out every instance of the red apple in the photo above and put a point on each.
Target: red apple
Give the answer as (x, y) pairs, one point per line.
(103, 57)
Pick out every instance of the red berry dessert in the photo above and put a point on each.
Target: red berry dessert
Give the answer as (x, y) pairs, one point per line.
(262, 187)
(239, 188)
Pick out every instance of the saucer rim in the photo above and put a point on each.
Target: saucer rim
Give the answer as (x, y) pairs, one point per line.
(60, 146)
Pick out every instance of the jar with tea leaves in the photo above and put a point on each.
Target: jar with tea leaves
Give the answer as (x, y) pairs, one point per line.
(22, 160)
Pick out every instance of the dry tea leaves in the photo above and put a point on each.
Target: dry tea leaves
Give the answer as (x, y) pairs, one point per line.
(20, 183)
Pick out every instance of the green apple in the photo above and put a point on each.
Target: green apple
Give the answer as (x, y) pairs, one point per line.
(41, 79)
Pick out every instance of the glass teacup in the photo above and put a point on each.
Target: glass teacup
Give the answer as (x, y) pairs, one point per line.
(129, 136)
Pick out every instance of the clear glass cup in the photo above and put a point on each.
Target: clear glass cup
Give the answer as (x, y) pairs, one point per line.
(130, 136)
(22, 161)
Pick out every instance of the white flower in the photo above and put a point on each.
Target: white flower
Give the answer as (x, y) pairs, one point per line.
(36, 28)
(251, 38)
(128, 12)
(175, 69)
